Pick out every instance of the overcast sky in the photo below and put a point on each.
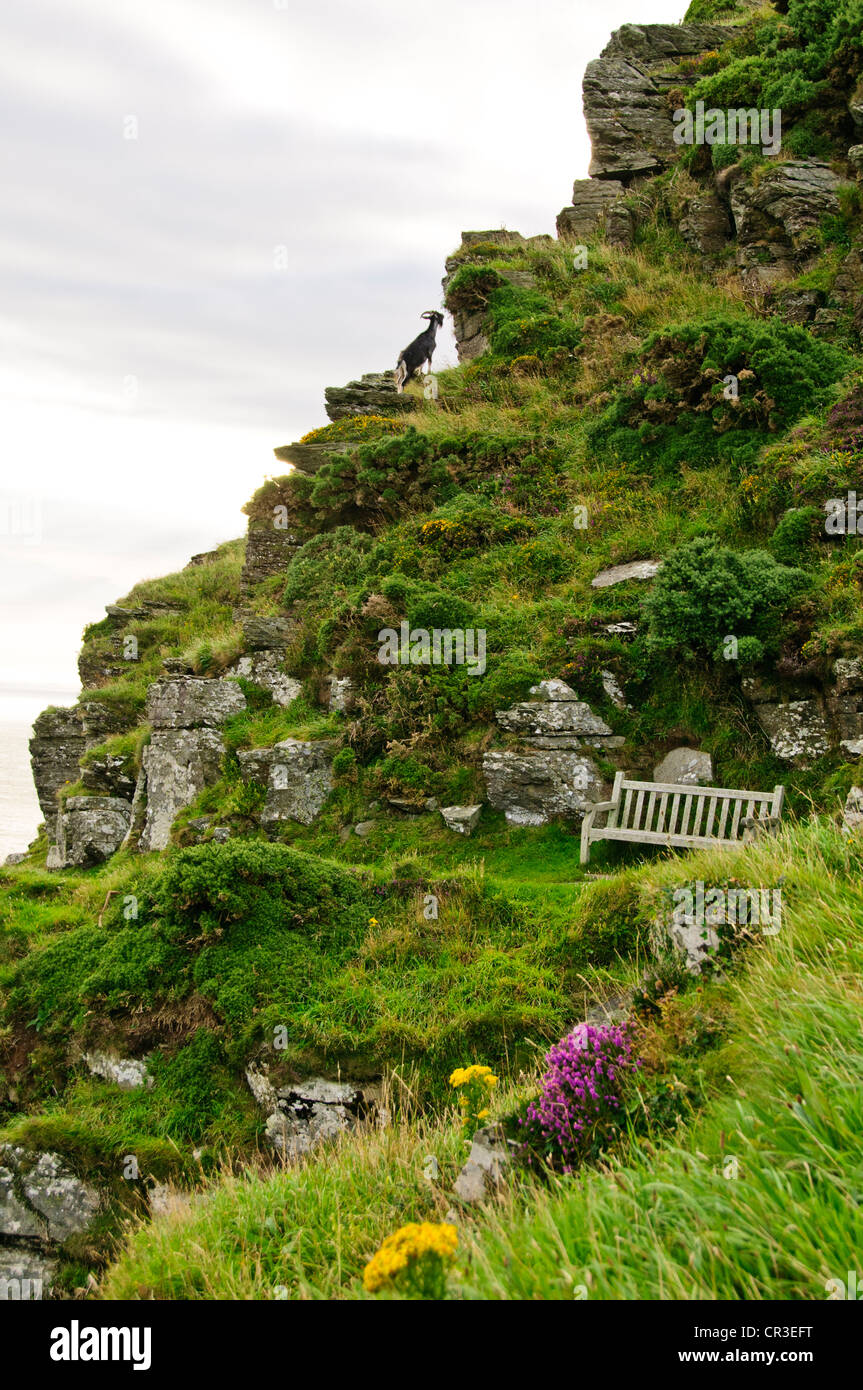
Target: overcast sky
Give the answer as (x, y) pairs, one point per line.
(212, 209)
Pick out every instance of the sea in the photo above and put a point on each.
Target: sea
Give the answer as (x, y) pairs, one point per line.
(20, 815)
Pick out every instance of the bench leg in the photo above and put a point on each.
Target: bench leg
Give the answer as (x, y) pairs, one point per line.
(585, 838)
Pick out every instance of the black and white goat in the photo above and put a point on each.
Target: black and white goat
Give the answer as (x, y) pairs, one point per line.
(418, 353)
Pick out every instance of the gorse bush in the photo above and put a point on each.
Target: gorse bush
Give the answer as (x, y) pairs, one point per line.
(706, 592)
(675, 409)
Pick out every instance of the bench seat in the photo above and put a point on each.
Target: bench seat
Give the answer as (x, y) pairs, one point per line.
(677, 815)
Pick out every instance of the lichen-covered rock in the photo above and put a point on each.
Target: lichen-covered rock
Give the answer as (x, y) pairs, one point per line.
(129, 1073)
(297, 775)
(191, 703)
(685, 766)
(848, 674)
(40, 1198)
(342, 694)
(26, 1272)
(798, 731)
(462, 819)
(620, 574)
(304, 1114)
(265, 669)
(553, 713)
(534, 785)
(852, 813)
(271, 633)
(799, 306)
(485, 1171)
(177, 765)
(626, 109)
(109, 775)
(90, 829)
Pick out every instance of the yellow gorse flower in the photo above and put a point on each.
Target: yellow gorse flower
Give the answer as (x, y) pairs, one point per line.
(462, 1076)
(412, 1243)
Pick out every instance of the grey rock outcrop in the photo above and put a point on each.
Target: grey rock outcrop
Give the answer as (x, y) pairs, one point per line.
(89, 830)
(192, 703)
(621, 574)
(342, 694)
(177, 765)
(625, 91)
(265, 669)
(706, 224)
(536, 784)
(374, 394)
(297, 775)
(685, 766)
(484, 1173)
(109, 775)
(303, 1114)
(128, 1073)
(797, 731)
(462, 819)
(40, 1198)
(776, 219)
(269, 550)
(56, 748)
(852, 813)
(268, 633)
(469, 326)
(596, 205)
(554, 718)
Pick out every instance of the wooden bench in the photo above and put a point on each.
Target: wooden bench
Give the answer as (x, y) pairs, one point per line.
(681, 817)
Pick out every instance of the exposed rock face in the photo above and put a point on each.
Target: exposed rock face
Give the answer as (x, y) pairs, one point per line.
(470, 327)
(374, 394)
(108, 775)
(798, 731)
(57, 745)
(688, 766)
(90, 829)
(60, 739)
(264, 668)
(297, 775)
(303, 1114)
(485, 1171)
(192, 703)
(852, 814)
(776, 218)
(596, 205)
(620, 574)
(269, 550)
(548, 777)
(553, 718)
(177, 765)
(799, 306)
(706, 224)
(625, 103)
(462, 819)
(265, 633)
(534, 785)
(40, 1199)
(342, 695)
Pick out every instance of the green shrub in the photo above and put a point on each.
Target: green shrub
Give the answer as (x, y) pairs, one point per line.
(796, 533)
(706, 592)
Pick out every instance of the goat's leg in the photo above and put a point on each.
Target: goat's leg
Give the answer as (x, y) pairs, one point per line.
(400, 374)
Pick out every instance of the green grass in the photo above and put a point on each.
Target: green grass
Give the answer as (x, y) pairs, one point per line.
(657, 1220)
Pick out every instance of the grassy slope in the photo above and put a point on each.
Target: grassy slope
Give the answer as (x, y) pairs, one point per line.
(783, 1097)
